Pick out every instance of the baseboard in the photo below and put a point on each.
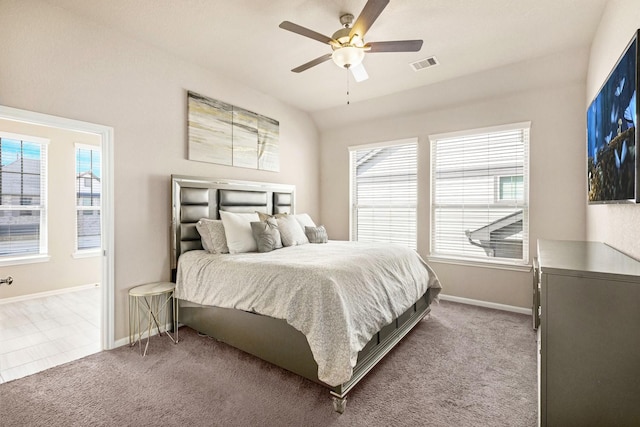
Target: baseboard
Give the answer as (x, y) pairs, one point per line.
(48, 293)
(487, 304)
(125, 341)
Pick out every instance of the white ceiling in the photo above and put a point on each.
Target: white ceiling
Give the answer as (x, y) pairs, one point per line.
(240, 39)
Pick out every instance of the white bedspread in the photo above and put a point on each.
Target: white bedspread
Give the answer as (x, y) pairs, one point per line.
(337, 294)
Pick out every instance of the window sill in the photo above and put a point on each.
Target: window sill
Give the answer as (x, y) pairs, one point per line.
(29, 259)
(87, 254)
(525, 268)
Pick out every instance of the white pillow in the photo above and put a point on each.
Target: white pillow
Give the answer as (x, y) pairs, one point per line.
(291, 231)
(237, 229)
(212, 236)
(305, 220)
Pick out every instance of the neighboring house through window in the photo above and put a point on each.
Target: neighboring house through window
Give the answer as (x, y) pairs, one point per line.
(384, 192)
(479, 199)
(23, 196)
(88, 198)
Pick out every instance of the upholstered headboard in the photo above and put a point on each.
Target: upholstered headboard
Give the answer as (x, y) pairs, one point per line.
(193, 198)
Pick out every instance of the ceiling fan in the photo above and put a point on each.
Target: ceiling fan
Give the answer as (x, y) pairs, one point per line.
(348, 42)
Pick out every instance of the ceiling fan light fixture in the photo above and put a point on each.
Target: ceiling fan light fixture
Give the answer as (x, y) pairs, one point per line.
(347, 56)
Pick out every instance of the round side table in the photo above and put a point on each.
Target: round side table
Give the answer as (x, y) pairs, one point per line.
(152, 303)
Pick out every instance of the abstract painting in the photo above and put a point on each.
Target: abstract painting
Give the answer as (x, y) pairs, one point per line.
(224, 134)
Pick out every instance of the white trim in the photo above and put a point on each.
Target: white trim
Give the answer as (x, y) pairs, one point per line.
(107, 142)
(498, 265)
(48, 293)
(383, 144)
(86, 146)
(125, 341)
(486, 304)
(89, 253)
(121, 342)
(108, 233)
(27, 259)
(490, 129)
(27, 138)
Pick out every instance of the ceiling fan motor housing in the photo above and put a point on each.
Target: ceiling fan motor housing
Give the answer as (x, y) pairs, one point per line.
(346, 20)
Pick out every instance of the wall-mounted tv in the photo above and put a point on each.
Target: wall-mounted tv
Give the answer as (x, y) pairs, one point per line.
(613, 165)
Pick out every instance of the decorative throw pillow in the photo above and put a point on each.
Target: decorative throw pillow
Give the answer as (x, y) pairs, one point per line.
(267, 235)
(237, 229)
(305, 220)
(212, 236)
(316, 234)
(291, 232)
(263, 216)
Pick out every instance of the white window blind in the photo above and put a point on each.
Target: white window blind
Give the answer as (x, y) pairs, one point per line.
(88, 197)
(384, 192)
(23, 195)
(480, 188)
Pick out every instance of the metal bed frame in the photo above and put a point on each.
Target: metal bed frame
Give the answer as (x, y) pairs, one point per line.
(270, 339)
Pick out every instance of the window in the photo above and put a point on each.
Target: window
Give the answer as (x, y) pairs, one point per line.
(88, 192)
(384, 192)
(23, 196)
(480, 182)
(511, 188)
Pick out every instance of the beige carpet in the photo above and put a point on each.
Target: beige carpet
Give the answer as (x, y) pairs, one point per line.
(465, 366)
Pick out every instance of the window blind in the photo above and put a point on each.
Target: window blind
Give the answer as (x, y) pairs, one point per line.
(88, 197)
(23, 195)
(384, 192)
(480, 186)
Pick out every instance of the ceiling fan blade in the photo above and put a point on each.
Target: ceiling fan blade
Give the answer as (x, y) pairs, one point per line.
(367, 17)
(295, 28)
(394, 46)
(359, 73)
(313, 63)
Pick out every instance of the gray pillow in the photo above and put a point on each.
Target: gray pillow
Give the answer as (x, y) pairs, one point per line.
(212, 234)
(263, 216)
(267, 235)
(316, 234)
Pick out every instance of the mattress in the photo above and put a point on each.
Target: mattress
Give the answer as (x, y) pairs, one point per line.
(337, 294)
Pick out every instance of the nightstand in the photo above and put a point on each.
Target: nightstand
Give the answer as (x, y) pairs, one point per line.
(154, 304)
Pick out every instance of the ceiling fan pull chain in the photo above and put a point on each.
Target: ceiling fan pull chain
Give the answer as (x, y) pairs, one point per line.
(347, 68)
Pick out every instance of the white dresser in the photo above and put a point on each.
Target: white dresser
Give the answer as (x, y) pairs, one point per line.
(589, 335)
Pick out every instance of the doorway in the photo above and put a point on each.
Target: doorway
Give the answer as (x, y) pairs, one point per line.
(86, 245)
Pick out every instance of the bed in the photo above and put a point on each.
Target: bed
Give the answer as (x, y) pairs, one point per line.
(340, 318)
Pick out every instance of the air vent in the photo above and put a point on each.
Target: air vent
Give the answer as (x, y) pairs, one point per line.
(424, 63)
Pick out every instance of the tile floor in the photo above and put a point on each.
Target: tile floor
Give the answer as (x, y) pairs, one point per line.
(40, 333)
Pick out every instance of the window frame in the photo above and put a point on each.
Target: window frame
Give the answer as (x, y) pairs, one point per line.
(353, 207)
(498, 199)
(42, 208)
(519, 264)
(90, 252)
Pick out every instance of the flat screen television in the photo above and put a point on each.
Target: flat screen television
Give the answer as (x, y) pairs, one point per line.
(613, 164)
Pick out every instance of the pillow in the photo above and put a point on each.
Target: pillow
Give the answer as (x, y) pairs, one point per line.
(266, 235)
(305, 220)
(316, 234)
(212, 236)
(263, 216)
(237, 230)
(291, 232)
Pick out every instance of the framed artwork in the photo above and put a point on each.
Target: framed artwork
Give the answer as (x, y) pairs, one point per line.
(224, 134)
